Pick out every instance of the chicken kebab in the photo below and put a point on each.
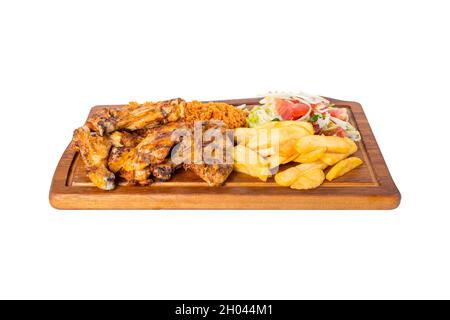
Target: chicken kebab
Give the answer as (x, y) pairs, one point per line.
(132, 145)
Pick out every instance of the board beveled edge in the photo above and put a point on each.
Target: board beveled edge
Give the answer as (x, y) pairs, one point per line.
(373, 150)
(386, 196)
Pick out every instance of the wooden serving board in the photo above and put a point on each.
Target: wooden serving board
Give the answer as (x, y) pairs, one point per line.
(367, 187)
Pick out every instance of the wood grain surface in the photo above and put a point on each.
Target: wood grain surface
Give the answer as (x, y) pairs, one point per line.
(367, 187)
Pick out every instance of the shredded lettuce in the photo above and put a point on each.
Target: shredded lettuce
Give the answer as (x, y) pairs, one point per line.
(262, 114)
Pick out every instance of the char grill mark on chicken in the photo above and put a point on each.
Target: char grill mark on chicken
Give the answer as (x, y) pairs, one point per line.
(126, 139)
(135, 116)
(118, 157)
(94, 150)
(151, 153)
(155, 147)
(123, 143)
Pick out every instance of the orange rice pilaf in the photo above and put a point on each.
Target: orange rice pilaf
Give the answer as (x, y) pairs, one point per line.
(231, 116)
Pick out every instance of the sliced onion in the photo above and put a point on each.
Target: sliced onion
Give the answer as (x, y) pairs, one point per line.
(353, 133)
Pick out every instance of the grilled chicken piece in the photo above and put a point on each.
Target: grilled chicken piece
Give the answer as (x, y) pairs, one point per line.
(117, 158)
(214, 174)
(123, 143)
(163, 172)
(216, 164)
(136, 116)
(151, 152)
(126, 139)
(136, 177)
(94, 151)
(155, 147)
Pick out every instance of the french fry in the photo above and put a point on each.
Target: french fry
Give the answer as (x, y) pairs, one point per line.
(311, 156)
(310, 179)
(287, 148)
(289, 159)
(267, 152)
(302, 124)
(293, 132)
(275, 161)
(244, 155)
(243, 135)
(263, 139)
(312, 165)
(287, 177)
(333, 144)
(276, 136)
(343, 167)
(332, 158)
(255, 171)
(281, 124)
(353, 146)
(251, 163)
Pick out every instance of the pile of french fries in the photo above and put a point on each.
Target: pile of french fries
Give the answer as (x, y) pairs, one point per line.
(261, 150)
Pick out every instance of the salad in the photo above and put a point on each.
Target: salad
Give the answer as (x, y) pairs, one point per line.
(325, 117)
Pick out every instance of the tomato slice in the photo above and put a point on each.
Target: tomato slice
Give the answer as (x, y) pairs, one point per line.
(291, 109)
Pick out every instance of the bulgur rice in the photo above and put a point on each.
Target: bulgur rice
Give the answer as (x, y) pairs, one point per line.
(231, 116)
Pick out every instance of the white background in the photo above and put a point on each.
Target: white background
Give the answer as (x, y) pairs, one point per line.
(57, 59)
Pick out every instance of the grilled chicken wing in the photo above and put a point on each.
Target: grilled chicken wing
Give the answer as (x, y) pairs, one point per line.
(155, 147)
(126, 139)
(94, 151)
(151, 152)
(123, 143)
(117, 158)
(163, 172)
(136, 177)
(136, 116)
